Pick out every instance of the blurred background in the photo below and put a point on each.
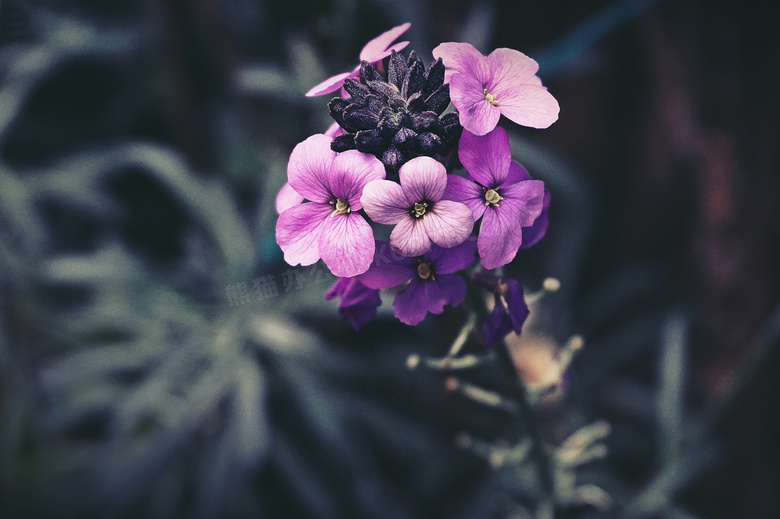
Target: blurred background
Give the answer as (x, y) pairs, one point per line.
(159, 359)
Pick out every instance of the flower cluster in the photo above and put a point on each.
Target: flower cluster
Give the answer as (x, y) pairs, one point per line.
(419, 148)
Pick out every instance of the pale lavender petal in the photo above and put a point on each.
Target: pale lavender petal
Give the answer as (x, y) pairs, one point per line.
(334, 130)
(384, 202)
(409, 238)
(329, 85)
(500, 237)
(525, 200)
(510, 67)
(464, 58)
(466, 191)
(408, 304)
(287, 198)
(456, 258)
(346, 244)
(309, 166)
(527, 105)
(352, 170)
(298, 231)
(476, 114)
(486, 157)
(423, 178)
(382, 42)
(449, 223)
(388, 269)
(517, 173)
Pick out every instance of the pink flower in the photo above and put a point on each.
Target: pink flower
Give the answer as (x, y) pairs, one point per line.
(483, 88)
(416, 208)
(500, 192)
(374, 51)
(328, 227)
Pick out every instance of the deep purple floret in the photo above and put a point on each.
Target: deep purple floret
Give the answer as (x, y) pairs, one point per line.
(428, 282)
(509, 311)
(498, 191)
(358, 302)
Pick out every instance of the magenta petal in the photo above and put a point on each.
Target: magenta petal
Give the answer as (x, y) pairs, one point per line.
(454, 288)
(527, 105)
(423, 178)
(298, 231)
(346, 244)
(382, 42)
(487, 157)
(384, 202)
(409, 238)
(309, 166)
(511, 66)
(466, 191)
(476, 114)
(329, 85)
(287, 198)
(449, 223)
(456, 258)
(534, 233)
(499, 237)
(352, 170)
(408, 304)
(526, 200)
(517, 173)
(463, 58)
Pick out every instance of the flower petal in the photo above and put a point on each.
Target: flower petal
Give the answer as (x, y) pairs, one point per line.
(380, 44)
(526, 200)
(423, 178)
(384, 202)
(517, 173)
(454, 259)
(534, 233)
(331, 84)
(454, 289)
(463, 58)
(500, 236)
(411, 304)
(510, 67)
(516, 307)
(298, 230)
(476, 114)
(308, 168)
(466, 191)
(352, 170)
(449, 223)
(346, 244)
(388, 269)
(409, 238)
(487, 157)
(497, 325)
(287, 198)
(527, 105)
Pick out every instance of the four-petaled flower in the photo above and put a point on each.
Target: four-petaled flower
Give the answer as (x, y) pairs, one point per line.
(374, 51)
(497, 190)
(358, 302)
(416, 208)
(483, 88)
(328, 226)
(431, 282)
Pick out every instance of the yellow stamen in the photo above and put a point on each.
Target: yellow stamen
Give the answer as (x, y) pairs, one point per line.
(490, 97)
(420, 208)
(424, 270)
(342, 206)
(492, 197)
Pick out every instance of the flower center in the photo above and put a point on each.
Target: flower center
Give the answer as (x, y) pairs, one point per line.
(342, 206)
(419, 209)
(424, 271)
(490, 97)
(492, 197)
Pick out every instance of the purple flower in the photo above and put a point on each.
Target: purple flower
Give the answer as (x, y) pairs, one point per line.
(416, 207)
(287, 198)
(483, 88)
(328, 226)
(431, 282)
(510, 310)
(497, 190)
(358, 302)
(374, 51)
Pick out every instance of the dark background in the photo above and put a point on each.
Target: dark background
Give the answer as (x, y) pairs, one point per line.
(141, 147)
